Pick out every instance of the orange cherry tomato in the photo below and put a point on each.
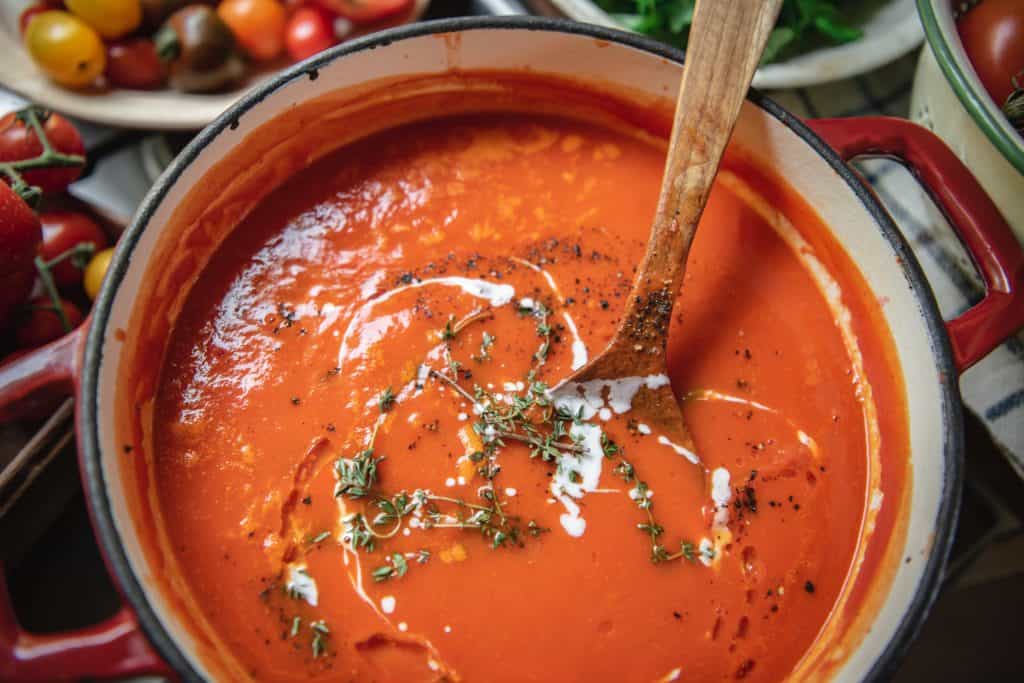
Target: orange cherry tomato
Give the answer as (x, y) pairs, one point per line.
(258, 26)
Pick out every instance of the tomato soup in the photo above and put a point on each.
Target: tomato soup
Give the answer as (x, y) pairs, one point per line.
(363, 472)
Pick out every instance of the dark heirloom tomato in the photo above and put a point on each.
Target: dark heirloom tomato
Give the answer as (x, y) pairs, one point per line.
(19, 238)
(133, 63)
(18, 142)
(993, 36)
(62, 231)
(199, 49)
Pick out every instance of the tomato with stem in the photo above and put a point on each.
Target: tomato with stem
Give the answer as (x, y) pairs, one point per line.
(41, 322)
(20, 236)
(42, 149)
(70, 239)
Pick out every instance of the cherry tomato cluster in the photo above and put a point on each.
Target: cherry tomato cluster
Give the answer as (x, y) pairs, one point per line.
(191, 45)
(53, 255)
(992, 32)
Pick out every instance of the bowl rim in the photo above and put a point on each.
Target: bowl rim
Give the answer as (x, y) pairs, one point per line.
(965, 82)
(97, 494)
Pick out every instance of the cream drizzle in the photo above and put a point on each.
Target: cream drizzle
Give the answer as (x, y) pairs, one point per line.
(579, 348)
(301, 584)
(495, 294)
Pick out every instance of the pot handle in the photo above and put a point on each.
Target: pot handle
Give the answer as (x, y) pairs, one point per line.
(115, 647)
(30, 383)
(981, 227)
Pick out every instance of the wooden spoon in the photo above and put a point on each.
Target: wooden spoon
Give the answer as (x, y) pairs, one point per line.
(726, 41)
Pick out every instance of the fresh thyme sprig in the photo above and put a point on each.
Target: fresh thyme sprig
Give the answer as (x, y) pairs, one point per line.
(320, 635)
(386, 401)
(641, 495)
(486, 343)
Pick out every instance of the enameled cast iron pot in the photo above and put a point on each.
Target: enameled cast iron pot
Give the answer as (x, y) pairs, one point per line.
(147, 636)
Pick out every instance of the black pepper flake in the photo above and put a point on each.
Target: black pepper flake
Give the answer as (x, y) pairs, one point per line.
(330, 427)
(604, 304)
(775, 608)
(296, 400)
(127, 448)
(308, 500)
(677, 615)
(809, 587)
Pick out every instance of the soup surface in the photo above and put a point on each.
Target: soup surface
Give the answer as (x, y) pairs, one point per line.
(363, 474)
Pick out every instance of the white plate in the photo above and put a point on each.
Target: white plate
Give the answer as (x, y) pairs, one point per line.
(892, 31)
(153, 110)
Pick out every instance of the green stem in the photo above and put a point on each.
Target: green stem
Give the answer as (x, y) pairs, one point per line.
(49, 158)
(80, 249)
(51, 291)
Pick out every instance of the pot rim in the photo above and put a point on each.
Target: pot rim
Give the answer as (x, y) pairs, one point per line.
(88, 424)
(965, 83)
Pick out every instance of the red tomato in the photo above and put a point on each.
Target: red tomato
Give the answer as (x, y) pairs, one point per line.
(133, 63)
(19, 239)
(993, 36)
(367, 11)
(309, 31)
(17, 142)
(258, 26)
(63, 230)
(41, 325)
(29, 12)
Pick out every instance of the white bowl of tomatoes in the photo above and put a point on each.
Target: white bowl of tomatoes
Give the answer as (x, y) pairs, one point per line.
(169, 64)
(969, 89)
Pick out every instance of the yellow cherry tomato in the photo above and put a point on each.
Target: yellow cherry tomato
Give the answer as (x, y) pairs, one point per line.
(110, 18)
(95, 271)
(65, 47)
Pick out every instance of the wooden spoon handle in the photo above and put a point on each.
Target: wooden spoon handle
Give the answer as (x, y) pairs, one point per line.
(726, 41)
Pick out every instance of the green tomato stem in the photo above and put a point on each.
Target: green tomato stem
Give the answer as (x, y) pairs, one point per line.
(49, 158)
(51, 291)
(83, 249)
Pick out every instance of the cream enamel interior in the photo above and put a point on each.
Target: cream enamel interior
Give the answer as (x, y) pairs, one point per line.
(585, 58)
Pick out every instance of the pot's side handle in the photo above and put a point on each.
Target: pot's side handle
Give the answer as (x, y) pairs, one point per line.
(976, 220)
(30, 383)
(113, 648)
